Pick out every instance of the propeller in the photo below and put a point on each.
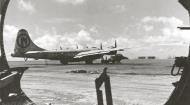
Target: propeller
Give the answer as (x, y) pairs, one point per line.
(61, 48)
(101, 46)
(115, 44)
(115, 47)
(77, 47)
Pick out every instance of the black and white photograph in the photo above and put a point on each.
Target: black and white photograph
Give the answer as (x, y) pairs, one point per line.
(94, 52)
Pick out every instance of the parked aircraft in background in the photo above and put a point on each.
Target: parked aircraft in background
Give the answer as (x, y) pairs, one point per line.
(25, 48)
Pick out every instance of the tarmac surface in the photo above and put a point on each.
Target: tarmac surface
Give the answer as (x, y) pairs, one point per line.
(134, 82)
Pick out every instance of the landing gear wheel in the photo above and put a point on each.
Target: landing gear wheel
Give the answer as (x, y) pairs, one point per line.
(113, 62)
(102, 61)
(63, 62)
(25, 59)
(88, 62)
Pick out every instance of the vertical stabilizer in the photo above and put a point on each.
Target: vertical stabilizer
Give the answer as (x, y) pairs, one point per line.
(24, 43)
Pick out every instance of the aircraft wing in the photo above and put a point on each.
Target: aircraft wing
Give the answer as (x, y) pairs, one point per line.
(42, 52)
(116, 49)
(34, 52)
(45, 51)
(97, 52)
(91, 53)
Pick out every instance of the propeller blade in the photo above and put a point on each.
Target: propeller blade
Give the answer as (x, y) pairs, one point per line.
(115, 43)
(77, 46)
(101, 46)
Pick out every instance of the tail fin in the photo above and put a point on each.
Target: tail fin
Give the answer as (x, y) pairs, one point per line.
(24, 43)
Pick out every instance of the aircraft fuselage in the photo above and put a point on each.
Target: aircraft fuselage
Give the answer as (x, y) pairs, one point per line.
(66, 56)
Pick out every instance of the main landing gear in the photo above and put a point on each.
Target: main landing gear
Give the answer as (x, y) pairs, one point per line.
(89, 62)
(63, 62)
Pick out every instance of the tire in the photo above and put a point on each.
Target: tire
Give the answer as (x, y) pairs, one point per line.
(113, 62)
(63, 62)
(102, 62)
(88, 62)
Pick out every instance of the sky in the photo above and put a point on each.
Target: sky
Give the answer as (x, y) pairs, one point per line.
(146, 27)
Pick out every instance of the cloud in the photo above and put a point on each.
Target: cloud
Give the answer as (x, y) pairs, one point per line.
(168, 39)
(166, 30)
(83, 38)
(120, 8)
(52, 41)
(58, 20)
(74, 2)
(158, 36)
(10, 33)
(26, 5)
(81, 26)
(172, 21)
(93, 29)
(148, 27)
